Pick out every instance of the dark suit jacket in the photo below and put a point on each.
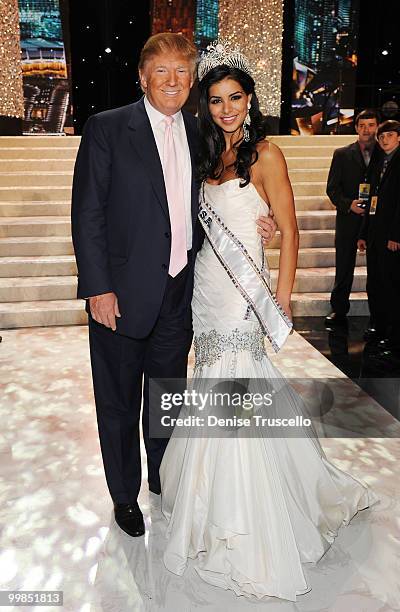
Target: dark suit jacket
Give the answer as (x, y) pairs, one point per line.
(384, 225)
(120, 221)
(347, 171)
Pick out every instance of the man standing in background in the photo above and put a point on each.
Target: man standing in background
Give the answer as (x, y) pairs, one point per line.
(350, 175)
(380, 235)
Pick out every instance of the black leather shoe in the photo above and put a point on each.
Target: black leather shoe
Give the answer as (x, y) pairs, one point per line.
(371, 334)
(130, 519)
(334, 318)
(389, 360)
(385, 344)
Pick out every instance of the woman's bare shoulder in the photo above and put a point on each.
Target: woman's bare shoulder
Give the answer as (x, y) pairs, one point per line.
(270, 155)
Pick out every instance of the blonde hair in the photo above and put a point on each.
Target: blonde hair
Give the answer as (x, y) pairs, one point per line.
(167, 42)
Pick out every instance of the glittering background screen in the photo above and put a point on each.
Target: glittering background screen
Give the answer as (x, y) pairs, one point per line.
(324, 69)
(253, 25)
(195, 19)
(44, 68)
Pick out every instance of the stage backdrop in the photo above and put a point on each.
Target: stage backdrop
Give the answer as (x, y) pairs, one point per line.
(254, 25)
(324, 66)
(11, 97)
(44, 69)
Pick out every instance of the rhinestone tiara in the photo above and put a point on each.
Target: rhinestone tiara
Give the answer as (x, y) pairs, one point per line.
(219, 54)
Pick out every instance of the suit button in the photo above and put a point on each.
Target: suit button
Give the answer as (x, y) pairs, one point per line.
(167, 235)
(164, 266)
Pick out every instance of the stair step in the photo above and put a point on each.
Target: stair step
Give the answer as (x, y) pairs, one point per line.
(35, 208)
(320, 280)
(48, 180)
(313, 217)
(19, 167)
(40, 195)
(28, 179)
(313, 202)
(30, 245)
(54, 265)
(310, 238)
(35, 226)
(309, 162)
(36, 192)
(73, 141)
(309, 188)
(56, 152)
(20, 289)
(71, 312)
(340, 140)
(310, 223)
(308, 150)
(318, 304)
(61, 244)
(311, 258)
(39, 141)
(39, 165)
(313, 175)
(44, 313)
(38, 288)
(316, 219)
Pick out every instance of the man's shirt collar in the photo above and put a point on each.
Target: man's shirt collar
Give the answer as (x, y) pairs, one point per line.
(156, 117)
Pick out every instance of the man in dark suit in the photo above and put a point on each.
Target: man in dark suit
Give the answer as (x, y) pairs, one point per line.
(351, 167)
(380, 235)
(134, 213)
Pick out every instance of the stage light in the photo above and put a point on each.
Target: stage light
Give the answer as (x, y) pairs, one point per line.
(107, 50)
(385, 52)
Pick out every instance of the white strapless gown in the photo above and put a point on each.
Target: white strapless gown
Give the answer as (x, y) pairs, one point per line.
(248, 511)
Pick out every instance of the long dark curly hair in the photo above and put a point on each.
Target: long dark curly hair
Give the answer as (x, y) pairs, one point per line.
(212, 141)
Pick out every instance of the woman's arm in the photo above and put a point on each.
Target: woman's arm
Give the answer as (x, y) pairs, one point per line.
(272, 171)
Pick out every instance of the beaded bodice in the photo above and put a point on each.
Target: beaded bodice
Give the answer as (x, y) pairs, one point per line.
(222, 319)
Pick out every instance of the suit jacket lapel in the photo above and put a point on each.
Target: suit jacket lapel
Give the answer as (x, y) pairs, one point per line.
(143, 141)
(390, 167)
(357, 155)
(192, 137)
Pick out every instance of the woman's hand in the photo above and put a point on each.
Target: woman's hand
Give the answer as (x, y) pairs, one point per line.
(284, 303)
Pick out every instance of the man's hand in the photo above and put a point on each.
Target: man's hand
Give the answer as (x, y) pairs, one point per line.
(362, 245)
(393, 246)
(355, 208)
(266, 228)
(104, 309)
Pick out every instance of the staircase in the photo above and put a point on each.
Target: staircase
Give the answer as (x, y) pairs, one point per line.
(37, 266)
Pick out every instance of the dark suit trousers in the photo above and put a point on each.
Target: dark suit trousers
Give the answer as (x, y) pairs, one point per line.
(383, 289)
(120, 365)
(346, 236)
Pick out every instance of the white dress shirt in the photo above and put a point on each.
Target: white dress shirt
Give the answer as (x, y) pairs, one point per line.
(182, 152)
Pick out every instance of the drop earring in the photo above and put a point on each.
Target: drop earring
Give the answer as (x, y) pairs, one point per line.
(246, 125)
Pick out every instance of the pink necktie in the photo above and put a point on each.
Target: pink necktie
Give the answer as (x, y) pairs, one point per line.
(176, 205)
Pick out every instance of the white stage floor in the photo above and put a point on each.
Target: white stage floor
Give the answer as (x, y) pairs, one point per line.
(57, 527)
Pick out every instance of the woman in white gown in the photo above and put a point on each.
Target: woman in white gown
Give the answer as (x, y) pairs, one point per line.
(248, 510)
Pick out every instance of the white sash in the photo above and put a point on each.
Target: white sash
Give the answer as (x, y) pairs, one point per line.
(246, 277)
